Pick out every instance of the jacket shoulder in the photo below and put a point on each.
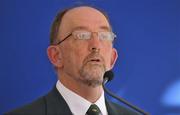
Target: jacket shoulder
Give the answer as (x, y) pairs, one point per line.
(38, 106)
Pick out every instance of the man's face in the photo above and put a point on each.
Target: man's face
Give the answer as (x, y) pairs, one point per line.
(85, 60)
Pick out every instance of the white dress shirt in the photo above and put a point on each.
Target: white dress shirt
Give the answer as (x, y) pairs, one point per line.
(77, 104)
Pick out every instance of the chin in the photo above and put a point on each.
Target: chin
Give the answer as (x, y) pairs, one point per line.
(92, 74)
(96, 72)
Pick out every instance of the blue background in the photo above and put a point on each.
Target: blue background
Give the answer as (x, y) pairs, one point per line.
(147, 72)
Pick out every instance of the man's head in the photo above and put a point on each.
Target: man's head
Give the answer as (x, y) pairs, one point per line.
(81, 45)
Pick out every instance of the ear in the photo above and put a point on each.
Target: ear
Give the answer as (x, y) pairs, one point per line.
(114, 57)
(55, 55)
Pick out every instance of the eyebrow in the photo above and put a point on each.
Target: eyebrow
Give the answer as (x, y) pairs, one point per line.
(106, 28)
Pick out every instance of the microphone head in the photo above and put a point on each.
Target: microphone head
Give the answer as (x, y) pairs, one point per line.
(108, 75)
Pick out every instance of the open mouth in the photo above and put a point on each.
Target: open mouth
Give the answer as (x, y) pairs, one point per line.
(95, 60)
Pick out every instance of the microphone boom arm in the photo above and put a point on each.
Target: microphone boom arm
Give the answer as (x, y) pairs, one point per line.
(121, 99)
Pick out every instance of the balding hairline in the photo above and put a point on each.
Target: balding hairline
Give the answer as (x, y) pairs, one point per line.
(59, 17)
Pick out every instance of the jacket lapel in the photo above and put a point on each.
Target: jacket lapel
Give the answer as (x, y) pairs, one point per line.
(111, 109)
(115, 109)
(55, 104)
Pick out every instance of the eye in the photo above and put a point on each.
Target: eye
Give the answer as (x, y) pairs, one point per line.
(106, 36)
(82, 35)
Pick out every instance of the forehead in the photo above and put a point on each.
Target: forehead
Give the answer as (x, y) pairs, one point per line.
(85, 18)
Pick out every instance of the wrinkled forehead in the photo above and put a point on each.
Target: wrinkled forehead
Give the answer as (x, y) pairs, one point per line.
(84, 18)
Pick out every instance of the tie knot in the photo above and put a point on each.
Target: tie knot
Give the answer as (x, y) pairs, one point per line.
(94, 110)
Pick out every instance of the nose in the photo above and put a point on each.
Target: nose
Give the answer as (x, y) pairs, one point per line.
(94, 43)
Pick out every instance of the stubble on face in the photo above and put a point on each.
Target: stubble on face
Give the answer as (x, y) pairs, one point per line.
(91, 73)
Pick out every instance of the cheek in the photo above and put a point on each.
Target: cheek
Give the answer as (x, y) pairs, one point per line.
(108, 60)
(107, 54)
(74, 55)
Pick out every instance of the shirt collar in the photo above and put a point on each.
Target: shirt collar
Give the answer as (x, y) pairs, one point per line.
(77, 104)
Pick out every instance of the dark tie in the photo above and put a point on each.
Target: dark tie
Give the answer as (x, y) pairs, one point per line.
(93, 110)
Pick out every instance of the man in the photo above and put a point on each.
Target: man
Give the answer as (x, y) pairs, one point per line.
(81, 50)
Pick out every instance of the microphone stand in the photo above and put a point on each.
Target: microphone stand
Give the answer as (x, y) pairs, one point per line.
(121, 99)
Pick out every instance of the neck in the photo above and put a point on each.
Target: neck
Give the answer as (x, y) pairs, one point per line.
(92, 94)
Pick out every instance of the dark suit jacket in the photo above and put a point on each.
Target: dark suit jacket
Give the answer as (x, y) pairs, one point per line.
(54, 104)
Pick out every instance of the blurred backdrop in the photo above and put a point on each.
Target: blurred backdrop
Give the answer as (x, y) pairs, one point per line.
(147, 72)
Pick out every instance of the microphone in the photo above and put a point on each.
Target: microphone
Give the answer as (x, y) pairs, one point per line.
(108, 76)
